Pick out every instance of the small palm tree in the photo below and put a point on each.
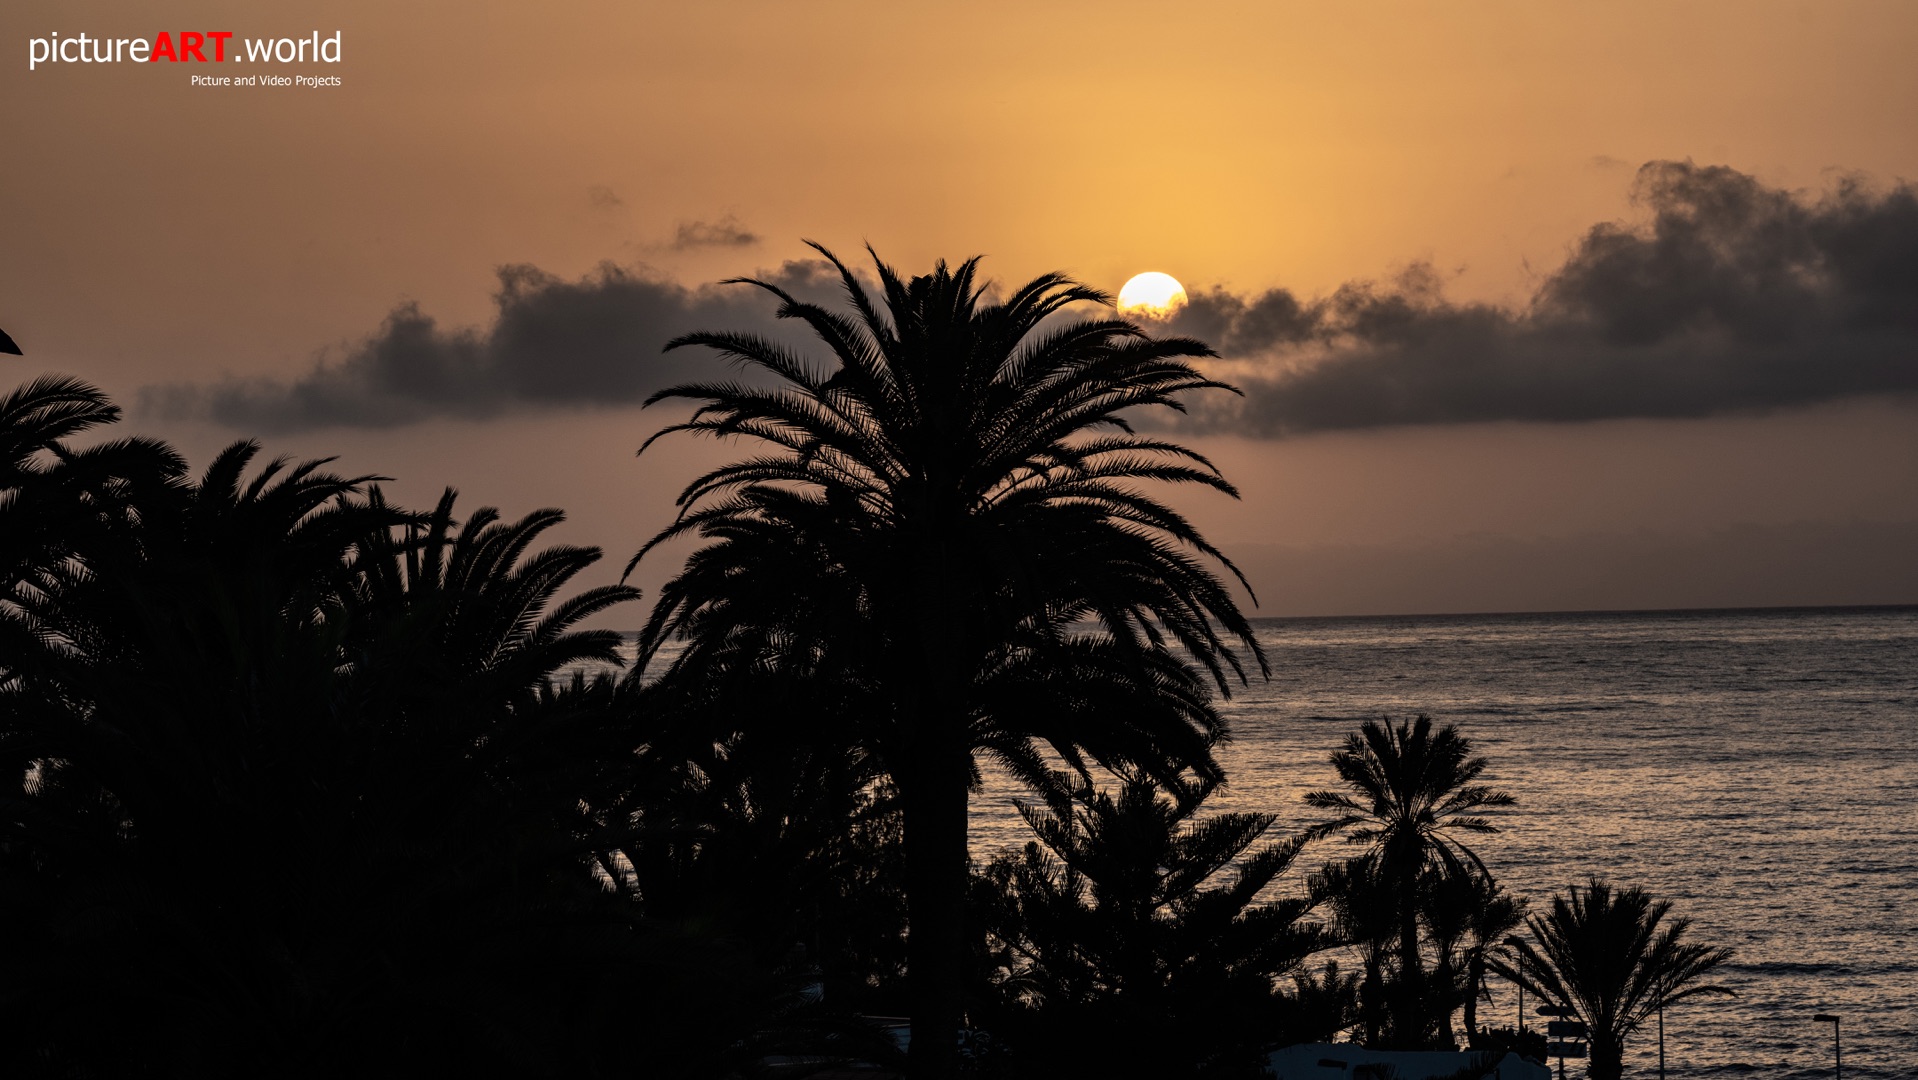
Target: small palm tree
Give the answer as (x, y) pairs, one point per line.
(1410, 793)
(1364, 910)
(947, 520)
(1134, 939)
(1469, 917)
(1612, 956)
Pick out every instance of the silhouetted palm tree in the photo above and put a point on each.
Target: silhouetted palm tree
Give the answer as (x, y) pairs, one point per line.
(1469, 917)
(783, 843)
(1365, 916)
(1131, 936)
(1322, 1003)
(1612, 956)
(295, 790)
(180, 695)
(942, 500)
(1409, 793)
(56, 499)
(39, 415)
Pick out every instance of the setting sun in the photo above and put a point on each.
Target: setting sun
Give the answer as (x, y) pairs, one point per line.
(1151, 294)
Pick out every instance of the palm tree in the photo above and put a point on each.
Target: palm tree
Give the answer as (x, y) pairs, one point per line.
(1614, 959)
(945, 521)
(1410, 793)
(294, 756)
(1134, 938)
(1469, 917)
(57, 500)
(1364, 910)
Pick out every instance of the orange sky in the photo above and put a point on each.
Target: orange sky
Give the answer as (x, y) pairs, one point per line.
(159, 233)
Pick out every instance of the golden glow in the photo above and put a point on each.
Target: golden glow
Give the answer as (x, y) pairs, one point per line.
(1153, 295)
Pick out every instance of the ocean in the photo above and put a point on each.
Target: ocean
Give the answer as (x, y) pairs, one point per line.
(1758, 768)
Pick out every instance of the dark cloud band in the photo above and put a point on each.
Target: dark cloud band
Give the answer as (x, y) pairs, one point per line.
(1732, 296)
(555, 343)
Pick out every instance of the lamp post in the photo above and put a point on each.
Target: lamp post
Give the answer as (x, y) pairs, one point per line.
(1662, 991)
(1661, 1037)
(1837, 1052)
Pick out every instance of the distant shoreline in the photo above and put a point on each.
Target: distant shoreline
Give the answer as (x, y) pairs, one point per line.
(1802, 609)
(1595, 613)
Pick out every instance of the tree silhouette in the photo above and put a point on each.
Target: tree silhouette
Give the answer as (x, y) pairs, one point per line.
(783, 843)
(56, 500)
(1612, 956)
(1365, 916)
(297, 788)
(938, 505)
(1409, 793)
(1131, 937)
(1468, 917)
(169, 715)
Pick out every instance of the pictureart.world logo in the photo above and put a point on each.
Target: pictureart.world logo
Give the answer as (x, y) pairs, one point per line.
(195, 47)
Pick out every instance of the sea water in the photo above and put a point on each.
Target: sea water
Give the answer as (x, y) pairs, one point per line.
(1759, 769)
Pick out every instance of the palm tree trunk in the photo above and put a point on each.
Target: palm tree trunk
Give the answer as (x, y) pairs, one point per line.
(1409, 1015)
(1372, 1002)
(1474, 986)
(935, 843)
(1608, 1056)
(935, 795)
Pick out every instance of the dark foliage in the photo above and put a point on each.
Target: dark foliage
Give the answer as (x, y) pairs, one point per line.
(294, 793)
(1133, 939)
(788, 847)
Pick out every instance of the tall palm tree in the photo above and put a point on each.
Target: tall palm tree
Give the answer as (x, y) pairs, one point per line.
(1410, 794)
(1612, 956)
(945, 517)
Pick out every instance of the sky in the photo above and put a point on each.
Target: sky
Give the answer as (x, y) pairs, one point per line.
(1536, 306)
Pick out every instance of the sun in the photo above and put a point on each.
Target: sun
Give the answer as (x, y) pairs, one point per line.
(1153, 295)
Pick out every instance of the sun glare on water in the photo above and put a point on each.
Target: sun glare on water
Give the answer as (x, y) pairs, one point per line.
(1153, 295)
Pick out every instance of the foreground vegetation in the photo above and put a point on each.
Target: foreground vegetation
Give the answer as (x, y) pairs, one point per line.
(305, 783)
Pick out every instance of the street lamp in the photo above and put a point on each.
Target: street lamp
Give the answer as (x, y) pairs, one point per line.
(1661, 991)
(1661, 1035)
(1837, 1053)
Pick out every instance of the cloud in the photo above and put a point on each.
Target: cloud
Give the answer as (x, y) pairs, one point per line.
(573, 344)
(1728, 296)
(726, 232)
(1731, 296)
